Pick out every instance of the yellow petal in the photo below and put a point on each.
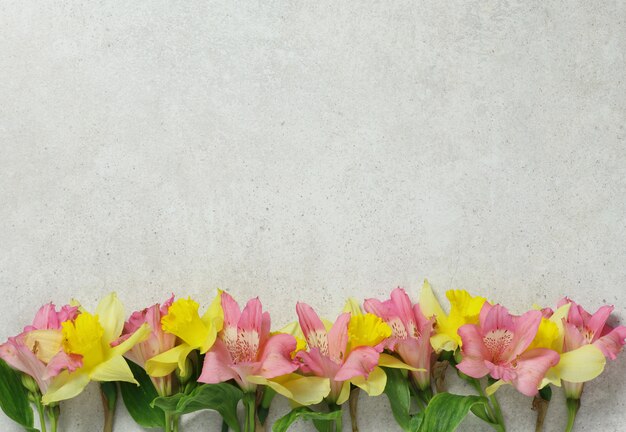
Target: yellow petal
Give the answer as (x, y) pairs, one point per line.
(428, 302)
(65, 386)
(304, 390)
(44, 343)
(580, 365)
(344, 394)
(390, 361)
(114, 369)
(293, 328)
(183, 320)
(557, 318)
(352, 306)
(110, 312)
(494, 387)
(140, 335)
(166, 363)
(443, 342)
(214, 315)
(367, 330)
(547, 336)
(375, 383)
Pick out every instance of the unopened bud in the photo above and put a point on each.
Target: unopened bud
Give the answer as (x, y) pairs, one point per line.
(30, 384)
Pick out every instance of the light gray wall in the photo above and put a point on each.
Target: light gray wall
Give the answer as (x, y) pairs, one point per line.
(311, 151)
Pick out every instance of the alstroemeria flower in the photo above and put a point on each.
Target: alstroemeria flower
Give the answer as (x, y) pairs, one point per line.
(411, 332)
(348, 352)
(578, 365)
(38, 350)
(90, 336)
(194, 331)
(498, 347)
(157, 342)
(464, 309)
(245, 351)
(591, 336)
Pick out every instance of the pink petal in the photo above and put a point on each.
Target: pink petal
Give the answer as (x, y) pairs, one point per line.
(611, 343)
(62, 361)
(312, 327)
(251, 317)
(360, 362)
(525, 330)
(495, 318)
(276, 356)
(484, 311)
(404, 309)
(166, 306)
(598, 320)
(532, 367)
(266, 326)
(572, 337)
(312, 362)
(231, 311)
(18, 356)
(217, 366)
(338, 337)
(474, 352)
(378, 308)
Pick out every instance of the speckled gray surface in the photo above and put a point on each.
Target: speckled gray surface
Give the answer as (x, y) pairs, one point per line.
(314, 151)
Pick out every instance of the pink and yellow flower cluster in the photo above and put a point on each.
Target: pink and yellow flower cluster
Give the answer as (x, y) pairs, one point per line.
(314, 360)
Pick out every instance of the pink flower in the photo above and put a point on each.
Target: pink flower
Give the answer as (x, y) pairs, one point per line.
(37, 351)
(158, 342)
(334, 355)
(245, 350)
(582, 328)
(498, 347)
(411, 332)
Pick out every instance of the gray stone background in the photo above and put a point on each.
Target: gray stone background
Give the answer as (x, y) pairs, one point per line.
(312, 151)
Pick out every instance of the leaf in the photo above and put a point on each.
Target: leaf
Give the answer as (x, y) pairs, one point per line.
(264, 407)
(446, 411)
(167, 403)
(397, 390)
(222, 397)
(14, 397)
(305, 413)
(138, 399)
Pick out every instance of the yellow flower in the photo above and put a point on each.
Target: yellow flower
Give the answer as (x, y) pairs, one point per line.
(90, 336)
(194, 331)
(464, 309)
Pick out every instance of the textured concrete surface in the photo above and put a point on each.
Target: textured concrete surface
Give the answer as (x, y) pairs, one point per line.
(311, 151)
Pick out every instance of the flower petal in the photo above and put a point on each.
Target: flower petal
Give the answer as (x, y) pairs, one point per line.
(580, 365)
(276, 356)
(114, 369)
(474, 352)
(304, 390)
(217, 365)
(215, 314)
(65, 386)
(142, 333)
(390, 361)
(428, 302)
(352, 306)
(532, 367)
(360, 361)
(374, 384)
(338, 337)
(312, 327)
(110, 313)
(611, 343)
(166, 363)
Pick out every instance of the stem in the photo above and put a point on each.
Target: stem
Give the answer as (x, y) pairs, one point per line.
(339, 422)
(573, 405)
(53, 414)
(168, 422)
(498, 411)
(541, 406)
(354, 402)
(40, 410)
(224, 426)
(249, 402)
(493, 409)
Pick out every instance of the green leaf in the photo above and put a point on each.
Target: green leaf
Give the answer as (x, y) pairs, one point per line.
(416, 421)
(446, 411)
(222, 398)
(138, 399)
(167, 404)
(14, 397)
(546, 393)
(305, 413)
(397, 390)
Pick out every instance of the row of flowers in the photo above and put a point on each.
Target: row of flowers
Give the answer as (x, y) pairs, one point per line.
(170, 359)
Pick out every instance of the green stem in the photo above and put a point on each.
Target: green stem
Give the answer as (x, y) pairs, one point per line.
(40, 410)
(53, 414)
(339, 422)
(573, 405)
(493, 409)
(498, 411)
(168, 422)
(249, 402)
(224, 426)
